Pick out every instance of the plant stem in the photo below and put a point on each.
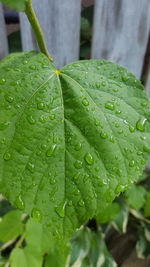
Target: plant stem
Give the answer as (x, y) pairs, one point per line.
(36, 28)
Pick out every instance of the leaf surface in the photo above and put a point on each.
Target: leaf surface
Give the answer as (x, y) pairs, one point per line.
(18, 5)
(71, 140)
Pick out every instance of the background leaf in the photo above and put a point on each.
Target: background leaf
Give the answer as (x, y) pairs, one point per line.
(18, 5)
(135, 196)
(11, 226)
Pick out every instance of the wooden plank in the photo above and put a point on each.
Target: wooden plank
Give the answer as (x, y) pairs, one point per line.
(3, 35)
(120, 32)
(60, 21)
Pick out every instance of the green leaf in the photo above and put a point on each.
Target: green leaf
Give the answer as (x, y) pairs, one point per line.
(25, 258)
(18, 5)
(147, 205)
(37, 237)
(121, 220)
(142, 245)
(135, 196)
(10, 226)
(110, 213)
(89, 249)
(71, 140)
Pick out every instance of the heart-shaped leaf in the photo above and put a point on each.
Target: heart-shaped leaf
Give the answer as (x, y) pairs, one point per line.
(71, 139)
(18, 5)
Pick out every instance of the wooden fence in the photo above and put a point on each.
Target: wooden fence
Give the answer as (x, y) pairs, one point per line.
(120, 31)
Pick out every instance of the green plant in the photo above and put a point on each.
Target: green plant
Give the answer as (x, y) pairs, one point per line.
(71, 139)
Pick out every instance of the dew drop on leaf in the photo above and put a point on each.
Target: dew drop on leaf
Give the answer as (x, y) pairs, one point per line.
(85, 102)
(31, 120)
(76, 176)
(89, 159)
(41, 106)
(132, 163)
(103, 135)
(36, 214)
(78, 164)
(9, 98)
(30, 167)
(60, 210)
(7, 156)
(19, 203)
(52, 180)
(2, 81)
(52, 116)
(140, 125)
(78, 146)
(109, 106)
(51, 150)
(81, 203)
(131, 129)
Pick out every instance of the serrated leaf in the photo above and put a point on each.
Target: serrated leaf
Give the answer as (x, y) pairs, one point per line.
(18, 5)
(135, 196)
(11, 226)
(147, 205)
(25, 258)
(71, 140)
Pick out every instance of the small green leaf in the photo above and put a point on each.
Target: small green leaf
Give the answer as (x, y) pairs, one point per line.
(135, 196)
(71, 139)
(121, 219)
(147, 205)
(25, 258)
(18, 5)
(142, 245)
(10, 226)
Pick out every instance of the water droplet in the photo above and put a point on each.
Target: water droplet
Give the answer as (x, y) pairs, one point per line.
(25, 62)
(125, 78)
(51, 150)
(36, 214)
(76, 176)
(7, 156)
(81, 203)
(131, 129)
(52, 180)
(52, 116)
(2, 81)
(78, 164)
(9, 98)
(60, 210)
(146, 148)
(42, 119)
(85, 102)
(3, 125)
(78, 146)
(112, 139)
(103, 83)
(120, 131)
(115, 90)
(143, 161)
(31, 120)
(117, 125)
(109, 106)
(70, 203)
(132, 163)
(120, 188)
(19, 203)
(144, 104)
(30, 167)
(89, 159)
(41, 106)
(103, 135)
(140, 125)
(32, 67)
(97, 85)
(140, 153)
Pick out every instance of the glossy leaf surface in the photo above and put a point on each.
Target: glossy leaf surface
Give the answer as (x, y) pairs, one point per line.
(71, 140)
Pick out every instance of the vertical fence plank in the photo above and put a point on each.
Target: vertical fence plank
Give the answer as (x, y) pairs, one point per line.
(120, 32)
(3, 35)
(60, 21)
